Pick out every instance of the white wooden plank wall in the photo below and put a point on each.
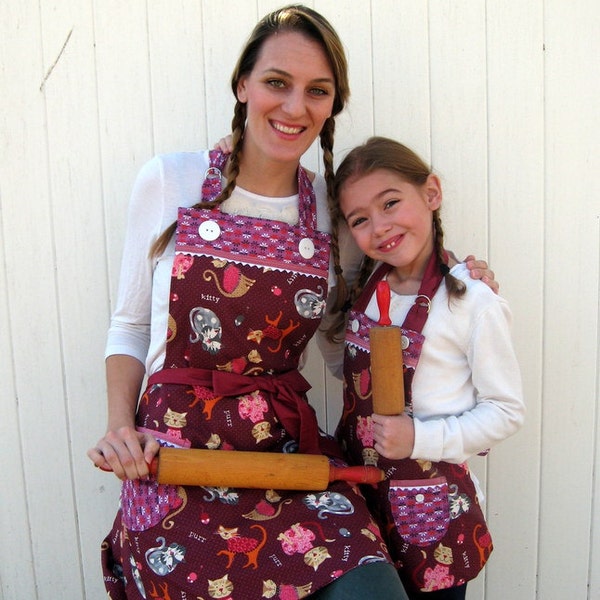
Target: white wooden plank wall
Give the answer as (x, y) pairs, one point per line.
(502, 97)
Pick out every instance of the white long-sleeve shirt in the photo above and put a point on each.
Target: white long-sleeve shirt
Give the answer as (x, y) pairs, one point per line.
(466, 391)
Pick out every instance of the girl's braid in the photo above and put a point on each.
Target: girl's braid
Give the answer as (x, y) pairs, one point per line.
(454, 287)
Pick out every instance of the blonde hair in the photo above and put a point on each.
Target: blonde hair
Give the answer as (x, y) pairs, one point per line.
(375, 154)
(300, 19)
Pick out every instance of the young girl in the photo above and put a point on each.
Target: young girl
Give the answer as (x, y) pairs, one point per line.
(462, 381)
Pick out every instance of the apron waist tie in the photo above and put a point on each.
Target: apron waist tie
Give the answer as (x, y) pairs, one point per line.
(289, 403)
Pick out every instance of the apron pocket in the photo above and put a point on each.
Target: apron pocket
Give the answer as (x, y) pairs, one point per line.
(421, 509)
(146, 503)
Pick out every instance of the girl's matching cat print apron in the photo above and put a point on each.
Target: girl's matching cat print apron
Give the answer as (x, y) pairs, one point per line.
(246, 297)
(432, 521)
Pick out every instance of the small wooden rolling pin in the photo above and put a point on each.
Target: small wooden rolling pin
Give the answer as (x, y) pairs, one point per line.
(385, 341)
(259, 470)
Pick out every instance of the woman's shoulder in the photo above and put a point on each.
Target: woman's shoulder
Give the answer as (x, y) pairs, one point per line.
(180, 164)
(174, 178)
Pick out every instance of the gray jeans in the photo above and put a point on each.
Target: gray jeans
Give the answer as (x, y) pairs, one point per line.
(373, 581)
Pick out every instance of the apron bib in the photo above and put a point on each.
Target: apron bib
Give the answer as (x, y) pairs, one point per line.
(246, 296)
(435, 529)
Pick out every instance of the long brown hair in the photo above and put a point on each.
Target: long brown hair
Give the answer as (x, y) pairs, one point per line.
(300, 19)
(375, 154)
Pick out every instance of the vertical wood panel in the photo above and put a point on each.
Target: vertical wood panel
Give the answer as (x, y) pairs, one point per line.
(124, 112)
(78, 224)
(352, 21)
(516, 191)
(401, 73)
(177, 75)
(17, 36)
(459, 120)
(571, 308)
(30, 263)
(220, 56)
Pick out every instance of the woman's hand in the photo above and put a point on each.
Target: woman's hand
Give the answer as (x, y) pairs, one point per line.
(225, 144)
(126, 452)
(394, 436)
(479, 270)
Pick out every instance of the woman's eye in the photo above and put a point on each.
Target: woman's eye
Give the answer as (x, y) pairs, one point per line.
(276, 83)
(319, 92)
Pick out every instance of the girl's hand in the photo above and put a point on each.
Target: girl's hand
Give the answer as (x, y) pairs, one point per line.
(225, 145)
(479, 270)
(394, 436)
(126, 452)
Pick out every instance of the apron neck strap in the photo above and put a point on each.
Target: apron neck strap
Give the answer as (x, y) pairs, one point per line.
(417, 315)
(212, 187)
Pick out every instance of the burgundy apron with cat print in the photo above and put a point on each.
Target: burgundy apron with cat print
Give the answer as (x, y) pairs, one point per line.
(435, 529)
(246, 297)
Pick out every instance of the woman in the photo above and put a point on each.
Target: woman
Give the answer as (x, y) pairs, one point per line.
(220, 312)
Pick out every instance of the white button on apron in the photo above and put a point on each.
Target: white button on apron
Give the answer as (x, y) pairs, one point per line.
(306, 248)
(355, 326)
(209, 230)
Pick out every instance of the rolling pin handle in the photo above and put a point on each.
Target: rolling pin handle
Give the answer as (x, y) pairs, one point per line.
(383, 295)
(153, 466)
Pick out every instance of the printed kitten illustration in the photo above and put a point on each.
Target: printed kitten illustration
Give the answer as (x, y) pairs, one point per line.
(220, 588)
(237, 544)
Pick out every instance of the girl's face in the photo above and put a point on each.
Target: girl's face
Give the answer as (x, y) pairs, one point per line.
(289, 95)
(391, 219)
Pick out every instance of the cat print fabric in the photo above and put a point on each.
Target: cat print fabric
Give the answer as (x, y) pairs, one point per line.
(243, 306)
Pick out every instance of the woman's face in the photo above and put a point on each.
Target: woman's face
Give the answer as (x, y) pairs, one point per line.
(289, 95)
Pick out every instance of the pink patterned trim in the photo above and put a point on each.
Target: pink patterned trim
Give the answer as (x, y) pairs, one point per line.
(247, 240)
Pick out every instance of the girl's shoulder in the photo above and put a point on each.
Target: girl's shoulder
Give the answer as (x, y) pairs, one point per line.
(477, 294)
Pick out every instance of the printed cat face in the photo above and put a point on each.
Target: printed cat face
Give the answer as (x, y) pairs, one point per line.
(220, 588)
(175, 419)
(313, 558)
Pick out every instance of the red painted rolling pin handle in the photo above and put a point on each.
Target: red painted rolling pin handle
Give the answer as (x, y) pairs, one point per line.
(358, 474)
(153, 466)
(383, 295)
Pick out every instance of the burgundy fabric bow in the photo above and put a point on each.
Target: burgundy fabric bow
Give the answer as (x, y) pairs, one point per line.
(291, 407)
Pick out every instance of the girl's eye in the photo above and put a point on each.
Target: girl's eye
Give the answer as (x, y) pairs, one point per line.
(390, 203)
(356, 222)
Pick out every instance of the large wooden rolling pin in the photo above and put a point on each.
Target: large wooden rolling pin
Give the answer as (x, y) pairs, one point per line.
(385, 341)
(259, 470)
